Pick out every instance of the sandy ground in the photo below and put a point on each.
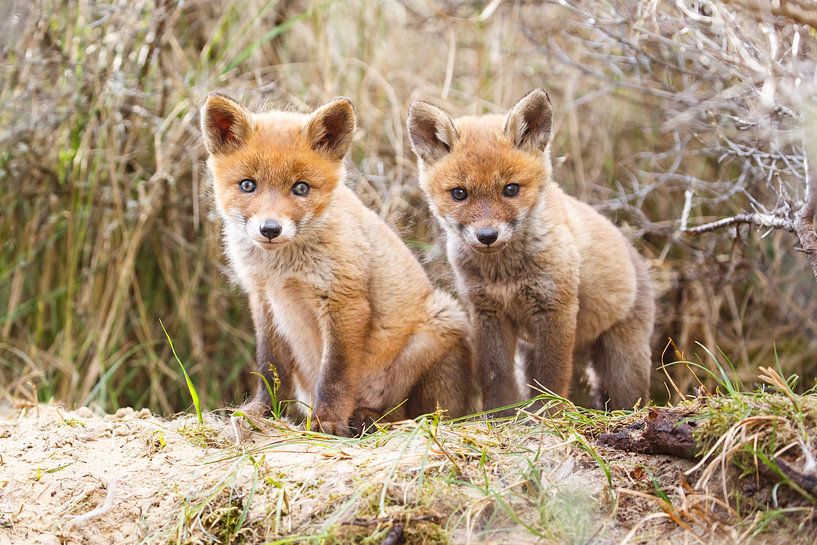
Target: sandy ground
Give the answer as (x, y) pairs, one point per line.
(75, 477)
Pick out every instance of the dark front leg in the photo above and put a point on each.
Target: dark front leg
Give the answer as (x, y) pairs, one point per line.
(335, 400)
(549, 361)
(344, 327)
(495, 340)
(273, 357)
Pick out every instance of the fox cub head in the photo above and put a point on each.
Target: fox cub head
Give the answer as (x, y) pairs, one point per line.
(483, 175)
(274, 173)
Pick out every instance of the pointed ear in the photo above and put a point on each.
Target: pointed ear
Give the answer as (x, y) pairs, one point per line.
(331, 127)
(431, 131)
(225, 124)
(529, 121)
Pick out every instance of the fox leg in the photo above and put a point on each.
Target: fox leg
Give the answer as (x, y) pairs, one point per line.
(584, 384)
(448, 383)
(344, 322)
(622, 358)
(272, 352)
(365, 419)
(622, 354)
(553, 338)
(273, 356)
(495, 345)
(582, 390)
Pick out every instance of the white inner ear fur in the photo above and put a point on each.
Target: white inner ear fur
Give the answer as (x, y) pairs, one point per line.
(332, 126)
(529, 122)
(431, 131)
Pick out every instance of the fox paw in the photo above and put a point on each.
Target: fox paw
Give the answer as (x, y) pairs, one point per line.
(364, 420)
(339, 428)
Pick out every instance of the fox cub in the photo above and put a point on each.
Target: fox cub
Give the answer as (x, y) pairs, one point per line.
(548, 280)
(341, 308)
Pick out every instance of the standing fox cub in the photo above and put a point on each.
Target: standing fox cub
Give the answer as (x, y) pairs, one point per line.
(341, 308)
(544, 274)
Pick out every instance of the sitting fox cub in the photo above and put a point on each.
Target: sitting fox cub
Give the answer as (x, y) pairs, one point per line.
(543, 273)
(340, 306)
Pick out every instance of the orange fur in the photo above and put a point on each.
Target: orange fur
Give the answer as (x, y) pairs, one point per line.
(547, 278)
(341, 308)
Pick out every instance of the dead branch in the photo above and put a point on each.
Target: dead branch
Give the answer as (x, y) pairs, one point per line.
(670, 431)
(731, 99)
(760, 220)
(395, 536)
(661, 432)
(366, 522)
(790, 9)
(804, 224)
(101, 510)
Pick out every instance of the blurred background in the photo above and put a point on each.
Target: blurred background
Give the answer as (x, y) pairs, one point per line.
(666, 114)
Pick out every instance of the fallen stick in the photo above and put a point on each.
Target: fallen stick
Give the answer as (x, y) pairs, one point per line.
(670, 431)
(661, 432)
(101, 510)
(395, 536)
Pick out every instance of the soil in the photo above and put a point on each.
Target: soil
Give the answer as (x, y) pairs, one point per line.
(76, 477)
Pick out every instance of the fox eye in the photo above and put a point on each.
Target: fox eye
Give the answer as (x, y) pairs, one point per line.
(511, 190)
(247, 186)
(300, 188)
(459, 194)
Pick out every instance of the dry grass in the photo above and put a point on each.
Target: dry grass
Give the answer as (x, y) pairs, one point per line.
(107, 225)
(539, 479)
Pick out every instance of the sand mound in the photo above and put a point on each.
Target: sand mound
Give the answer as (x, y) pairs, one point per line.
(76, 477)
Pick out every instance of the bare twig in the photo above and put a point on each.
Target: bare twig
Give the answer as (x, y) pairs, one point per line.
(790, 9)
(101, 510)
(661, 432)
(804, 224)
(760, 220)
(364, 522)
(395, 536)
(685, 212)
(670, 431)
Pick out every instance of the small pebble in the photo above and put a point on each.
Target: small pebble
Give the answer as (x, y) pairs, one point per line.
(121, 414)
(84, 412)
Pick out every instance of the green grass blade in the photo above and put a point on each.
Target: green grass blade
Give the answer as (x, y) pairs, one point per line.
(192, 389)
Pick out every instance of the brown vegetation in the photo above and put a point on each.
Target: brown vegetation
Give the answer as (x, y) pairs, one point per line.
(667, 115)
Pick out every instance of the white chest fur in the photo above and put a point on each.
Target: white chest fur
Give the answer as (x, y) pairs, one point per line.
(297, 320)
(291, 281)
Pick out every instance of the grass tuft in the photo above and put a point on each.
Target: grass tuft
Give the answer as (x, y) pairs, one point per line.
(203, 435)
(190, 387)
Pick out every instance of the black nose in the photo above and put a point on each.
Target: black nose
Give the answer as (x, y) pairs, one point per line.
(487, 235)
(270, 229)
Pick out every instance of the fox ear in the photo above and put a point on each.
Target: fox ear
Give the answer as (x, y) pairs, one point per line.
(529, 121)
(431, 131)
(331, 127)
(225, 124)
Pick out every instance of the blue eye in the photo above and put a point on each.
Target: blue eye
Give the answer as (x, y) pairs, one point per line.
(459, 194)
(300, 188)
(511, 190)
(247, 186)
